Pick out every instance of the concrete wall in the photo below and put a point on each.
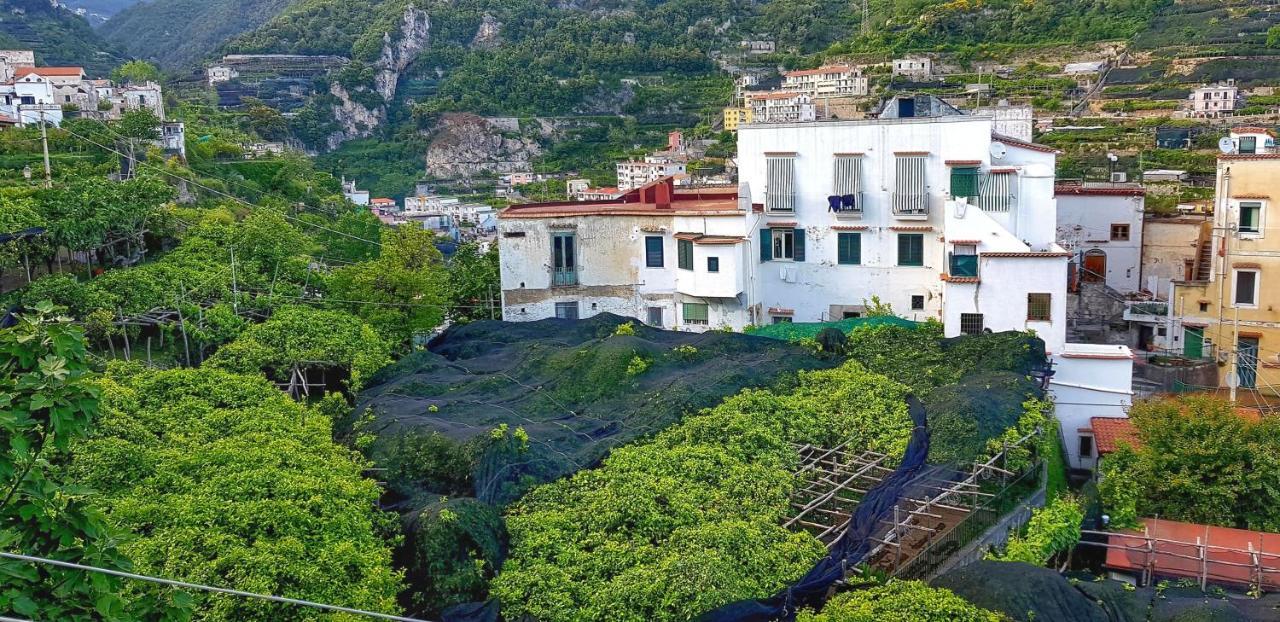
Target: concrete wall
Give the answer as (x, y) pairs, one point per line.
(1167, 245)
(1084, 224)
(1089, 381)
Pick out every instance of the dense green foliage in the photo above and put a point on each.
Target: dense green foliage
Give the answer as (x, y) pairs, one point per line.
(671, 528)
(402, 292)
(58, 36)
(1198, 461)
(48, 401)
(180, 33)
(899, 601)
(226, 481)
(1053, 529)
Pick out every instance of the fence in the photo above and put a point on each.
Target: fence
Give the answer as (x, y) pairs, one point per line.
(1152, 557)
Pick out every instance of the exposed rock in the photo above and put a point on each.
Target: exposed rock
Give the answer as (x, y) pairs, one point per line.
(356, 120)
(466, 144)
(489, 35)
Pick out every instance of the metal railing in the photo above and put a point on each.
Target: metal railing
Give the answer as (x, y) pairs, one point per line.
(911, 205)
(846, 205)
(561, 277)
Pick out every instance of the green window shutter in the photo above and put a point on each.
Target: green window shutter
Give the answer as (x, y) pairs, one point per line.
(910, 249)
(849, 249)
(766, 245)
(685, 248)
(799, 245)
(964, 181)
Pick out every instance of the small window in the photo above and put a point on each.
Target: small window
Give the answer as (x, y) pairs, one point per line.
(655, 317)
(684, 249)
(1204, 307)
(851, 315)
(1248, 144)
(917, 303)
(782, 319)
(784, 244)
(653, 251)
(964, 181)
(1250, 218)
(1246, 294)
(713, 264)
(696, 313)
(910, 249)
(1120, 232)
(1086, 446)
(567, 310)
(849, 249)
(971, 323)
(1039, 307)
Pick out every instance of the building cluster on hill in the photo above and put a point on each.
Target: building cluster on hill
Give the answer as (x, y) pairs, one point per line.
(448, 216)
(670, 163)
(30, 95)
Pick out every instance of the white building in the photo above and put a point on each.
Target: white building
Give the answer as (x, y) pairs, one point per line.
(353, 194)
(11, 60)
(1218, 100)
(913, 67)
(758, 46)
(782, 107)
(633, 174)
(827, 81)
(1252, 140)
(220, 73)
(432, 205)
(581, 190)
(1102, 226)
(1008, 120)
(1089, 381)
(147, 95)
(30, 100)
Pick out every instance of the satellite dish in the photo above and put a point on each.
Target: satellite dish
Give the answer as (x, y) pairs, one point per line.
(1226, 145)
(998, 151)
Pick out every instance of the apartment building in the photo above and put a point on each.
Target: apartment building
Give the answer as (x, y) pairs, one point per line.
(735, 116)
(782, 107)
(1102, 225)
(635, 173)
(827, 81)
(1232, 308)
(1217, 100)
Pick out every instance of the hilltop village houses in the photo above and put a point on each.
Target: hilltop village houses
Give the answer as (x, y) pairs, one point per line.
(30, 95)
(924, 209)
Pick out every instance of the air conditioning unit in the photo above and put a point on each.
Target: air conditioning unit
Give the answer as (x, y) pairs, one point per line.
(1119, 178)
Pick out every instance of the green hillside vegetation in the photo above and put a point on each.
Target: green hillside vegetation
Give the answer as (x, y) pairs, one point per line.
(58, 36)
(180, 33)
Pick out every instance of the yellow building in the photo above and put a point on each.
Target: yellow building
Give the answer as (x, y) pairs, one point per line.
(735, 116)
(1231, 310)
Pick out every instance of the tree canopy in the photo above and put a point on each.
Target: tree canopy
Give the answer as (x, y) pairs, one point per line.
(899, 601)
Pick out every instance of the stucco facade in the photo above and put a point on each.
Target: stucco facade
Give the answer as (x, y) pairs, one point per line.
(1102, 225)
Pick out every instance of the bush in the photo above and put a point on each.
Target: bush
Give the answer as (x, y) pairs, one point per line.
(899, 601)
(1052, 529)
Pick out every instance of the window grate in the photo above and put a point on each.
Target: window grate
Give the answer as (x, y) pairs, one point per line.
(1039, 307)
(971, 323)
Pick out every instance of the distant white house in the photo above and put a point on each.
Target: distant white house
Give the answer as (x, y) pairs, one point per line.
(782, 107)
(1218, 100)
(1164, 175)
(1102, 224)
(913, 67)
(827, 81)
(1009, 120)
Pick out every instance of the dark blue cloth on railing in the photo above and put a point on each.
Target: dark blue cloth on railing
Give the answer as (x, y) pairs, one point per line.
(833, 203)
(849, 203)
(850, 549)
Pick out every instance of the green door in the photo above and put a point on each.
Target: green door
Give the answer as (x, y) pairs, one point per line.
(1193, 343)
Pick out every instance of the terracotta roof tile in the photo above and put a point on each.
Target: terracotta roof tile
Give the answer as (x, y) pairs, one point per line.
(1109, 431)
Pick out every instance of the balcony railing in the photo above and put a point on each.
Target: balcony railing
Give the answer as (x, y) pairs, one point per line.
(911, 205)
(1147, 311)
(850, 205)
(561, 277)
(964, 266)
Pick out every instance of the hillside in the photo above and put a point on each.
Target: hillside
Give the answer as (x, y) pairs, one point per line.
(179, 33)
(58, 36)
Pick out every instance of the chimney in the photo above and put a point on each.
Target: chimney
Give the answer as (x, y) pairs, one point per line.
(662, 192)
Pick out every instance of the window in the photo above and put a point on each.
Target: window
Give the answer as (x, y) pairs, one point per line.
(849, 248)
(1246, 294)
(1204, 307)
(971, 323)
(779, 195)
(684, 250)
(567, 310)
(1251, 217)
(964, 181)
(696, 313)
(1248, 144)
(917, 303)
(851, 315)
(653, 251)
(1039, 307)
(1086, 446)
(784, 243)
(713, 264)
(848, 175)
(782, 319)
(655, 317)
(964, 261)
(564, 259)
(910, 249)
(910, 197)
(1120, 232)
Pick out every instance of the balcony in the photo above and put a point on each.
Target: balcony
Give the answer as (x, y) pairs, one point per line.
(564, 277)
(963, 266)
(1146, 311)
(846, 206)
(911, 206)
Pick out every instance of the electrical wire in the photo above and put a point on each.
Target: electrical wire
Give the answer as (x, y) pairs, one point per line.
(207, 588)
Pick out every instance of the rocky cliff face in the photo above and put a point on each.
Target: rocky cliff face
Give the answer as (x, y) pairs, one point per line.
(354, 112)
(466, 144)
(489, 35)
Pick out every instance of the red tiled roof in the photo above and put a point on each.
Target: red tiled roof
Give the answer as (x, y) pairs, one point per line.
(713, 240)
(963, 162)
(822, 69)
(1009, 140)
(775, 95)
(1176, 552)
(1253, 129)
(1249, 156)
(8, 120)
(912, 228)
(1025, 255)
(965, 241)
(642, 201)
(1109, 431)
(850, 227)
(50, 71)
(1098, 191)
(961, 280)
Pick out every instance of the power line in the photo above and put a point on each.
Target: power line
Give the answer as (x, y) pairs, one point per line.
(207, 588)
(215, 191)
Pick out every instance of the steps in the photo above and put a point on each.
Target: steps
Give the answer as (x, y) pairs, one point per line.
(1204, 261)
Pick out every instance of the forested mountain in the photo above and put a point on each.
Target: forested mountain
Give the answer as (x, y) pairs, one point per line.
(177, 33)
(58, 36)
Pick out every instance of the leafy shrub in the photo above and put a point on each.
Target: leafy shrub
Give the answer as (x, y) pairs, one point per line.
(899, 601)
(1053, 529)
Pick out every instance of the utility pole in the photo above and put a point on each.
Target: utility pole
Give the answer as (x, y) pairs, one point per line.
(44, 141)
(866, 18)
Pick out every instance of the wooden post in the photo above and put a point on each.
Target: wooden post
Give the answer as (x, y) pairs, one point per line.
(182, 325)
(1204, 561)
(149, 350)
(897, 538)
(124, 329)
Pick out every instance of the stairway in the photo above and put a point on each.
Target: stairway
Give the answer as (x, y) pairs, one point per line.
(1204, 261)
